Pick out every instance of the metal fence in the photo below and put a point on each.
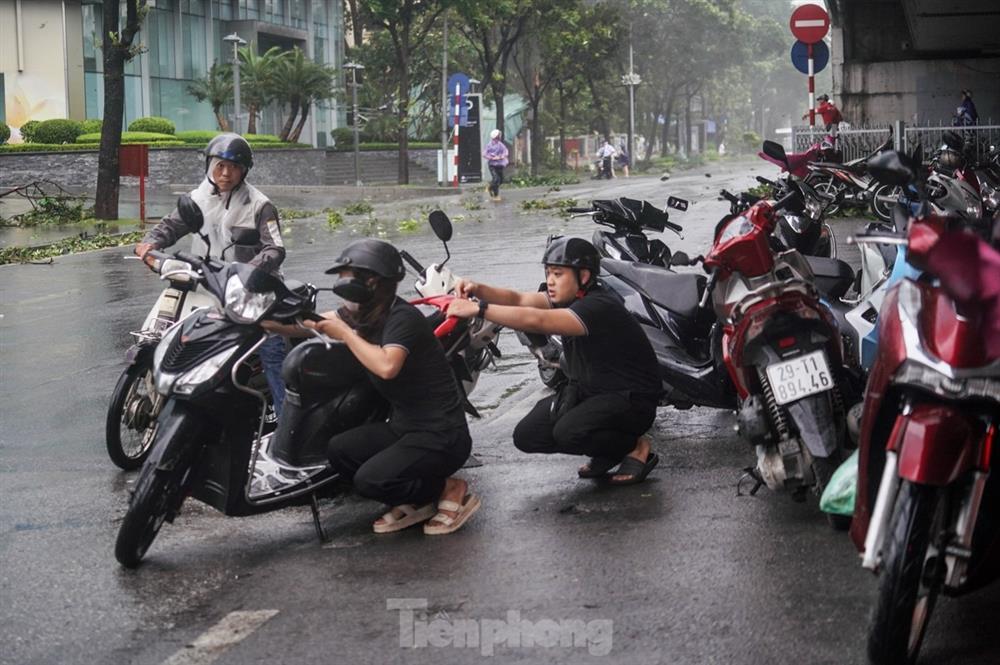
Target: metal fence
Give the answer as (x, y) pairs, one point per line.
(858, 142)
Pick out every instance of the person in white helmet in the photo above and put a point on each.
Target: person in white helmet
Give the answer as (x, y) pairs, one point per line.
(495, 155)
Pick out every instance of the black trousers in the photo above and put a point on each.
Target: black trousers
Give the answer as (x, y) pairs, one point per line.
(605, 426)
(497, 173)
(399, 467)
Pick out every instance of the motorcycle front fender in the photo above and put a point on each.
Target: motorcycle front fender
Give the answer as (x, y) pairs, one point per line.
(178, 436)
(139, 353)
(936, 444)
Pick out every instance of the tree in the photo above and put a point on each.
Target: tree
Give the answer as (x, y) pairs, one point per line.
(408, 23)
(217, 89)
(299, 82)
(118, 48)
(257, 85)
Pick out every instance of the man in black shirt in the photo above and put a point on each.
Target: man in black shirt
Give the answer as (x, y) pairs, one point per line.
(614, 388)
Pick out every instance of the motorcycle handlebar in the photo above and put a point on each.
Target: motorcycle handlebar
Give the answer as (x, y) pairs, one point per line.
(189, 258)
(676, 228)
(412, 261)
(784, 201)
(764, 181)
(579, 210)
(728, 196)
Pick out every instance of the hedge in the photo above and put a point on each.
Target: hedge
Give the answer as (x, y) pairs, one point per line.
(56, 131)
(72, 147)
(153, 124)
(412, 145)
(91, 126)
(4, 133)
(28, 131)
(203, 136)
(131, 137)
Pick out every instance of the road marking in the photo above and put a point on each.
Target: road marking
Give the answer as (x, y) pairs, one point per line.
(810, 23)
(233, 629)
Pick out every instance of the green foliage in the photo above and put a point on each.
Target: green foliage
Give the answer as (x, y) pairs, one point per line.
(761, 190)
(54, 210)
(196, 136)
(408, 225)
(542, 204)
(343, 138)
(216, 88)
(334, 219)
(472, 203)
(67, 246)
(76, 147)
(4, 133)
(132, 137)
(56, 131)
(359, 208)
(750, 141)
(413, 145)
(153, 124)
(28, 130)
(91, 126)
(525, 179)
(288, 214)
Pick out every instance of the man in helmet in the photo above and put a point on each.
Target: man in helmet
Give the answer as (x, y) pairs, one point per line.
(407, 461)
(829, 112)
(611, 398)
(495, 155)
(228, 202)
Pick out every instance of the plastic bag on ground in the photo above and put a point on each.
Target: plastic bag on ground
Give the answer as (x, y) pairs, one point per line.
(838, 497)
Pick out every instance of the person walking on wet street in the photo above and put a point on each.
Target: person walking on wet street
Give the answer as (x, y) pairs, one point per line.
(606, 154)
(614, 388)
(227, 202)
(496, 154)
(406, 462)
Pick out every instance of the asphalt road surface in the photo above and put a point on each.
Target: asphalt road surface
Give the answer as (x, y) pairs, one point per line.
(551, 570)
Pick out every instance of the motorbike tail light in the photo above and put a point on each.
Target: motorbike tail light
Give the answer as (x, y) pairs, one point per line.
(786, 342)
(986, 452)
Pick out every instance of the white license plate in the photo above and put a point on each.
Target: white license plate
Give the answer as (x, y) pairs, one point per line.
(806, 375)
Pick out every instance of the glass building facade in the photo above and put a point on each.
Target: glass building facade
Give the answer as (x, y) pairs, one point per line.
(183, 38)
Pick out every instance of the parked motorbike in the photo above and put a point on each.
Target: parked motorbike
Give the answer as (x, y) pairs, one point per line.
(850, 185)
(210, 440)
(629, 220)
(926, 509)
(130, 424)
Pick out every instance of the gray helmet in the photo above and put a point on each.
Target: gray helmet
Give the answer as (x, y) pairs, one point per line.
(376, 256)
(231, 147)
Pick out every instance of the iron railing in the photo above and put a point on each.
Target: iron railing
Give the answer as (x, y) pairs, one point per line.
(859, 142)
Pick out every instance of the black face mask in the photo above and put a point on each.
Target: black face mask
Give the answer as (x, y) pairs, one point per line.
(353, 289)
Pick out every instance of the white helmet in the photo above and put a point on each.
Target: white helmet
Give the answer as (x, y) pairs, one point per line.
(495, 134)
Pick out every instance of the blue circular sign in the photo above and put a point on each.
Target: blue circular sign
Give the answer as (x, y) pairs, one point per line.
(800, 56)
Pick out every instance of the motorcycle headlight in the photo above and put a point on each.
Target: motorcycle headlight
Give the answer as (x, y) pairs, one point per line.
(245, 306)
(813, 208)
(739, 226)
(797, 223)
(187, 382)
(973, 205)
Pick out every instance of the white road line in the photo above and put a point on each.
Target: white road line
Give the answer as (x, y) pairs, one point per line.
(233, 629)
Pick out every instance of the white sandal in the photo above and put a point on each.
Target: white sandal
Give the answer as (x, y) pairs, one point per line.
(411, 515)
(447, 523)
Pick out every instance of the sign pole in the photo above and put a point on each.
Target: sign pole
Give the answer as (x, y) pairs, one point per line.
(458, 112)
(812, 89)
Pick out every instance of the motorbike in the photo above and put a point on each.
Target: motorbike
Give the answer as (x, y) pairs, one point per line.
(130, 424)
(782, 350)
(925, 515)
(797, 163)
(850, 184)
(211, 442)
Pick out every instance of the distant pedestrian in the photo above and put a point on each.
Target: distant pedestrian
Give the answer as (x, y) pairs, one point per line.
(495, 155)
(605, 154)
(829, 112)
(622, 158)
(966, 113)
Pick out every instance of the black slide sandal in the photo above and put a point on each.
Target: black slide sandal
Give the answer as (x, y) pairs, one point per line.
(638, 471)
(599, 467)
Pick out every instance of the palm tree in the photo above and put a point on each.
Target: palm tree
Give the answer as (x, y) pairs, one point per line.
(217, 89)
(300, 82)
(256, 79)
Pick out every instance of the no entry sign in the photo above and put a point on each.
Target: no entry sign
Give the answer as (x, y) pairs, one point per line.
(809, 23)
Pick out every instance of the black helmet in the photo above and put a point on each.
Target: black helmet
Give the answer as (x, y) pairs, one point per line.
(575, 253)
(377, 256)
(231, 147)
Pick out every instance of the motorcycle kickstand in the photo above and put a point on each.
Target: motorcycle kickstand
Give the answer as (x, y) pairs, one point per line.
(314, 506)
(749, 472)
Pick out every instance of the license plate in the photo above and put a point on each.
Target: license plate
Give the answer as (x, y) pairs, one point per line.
(803, 376)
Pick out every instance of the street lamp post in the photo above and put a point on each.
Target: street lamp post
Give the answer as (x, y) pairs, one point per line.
(354, 67)
(237, 42)
(631, 80)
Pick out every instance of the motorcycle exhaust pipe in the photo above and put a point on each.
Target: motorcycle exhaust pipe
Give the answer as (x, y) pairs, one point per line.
(879, 521)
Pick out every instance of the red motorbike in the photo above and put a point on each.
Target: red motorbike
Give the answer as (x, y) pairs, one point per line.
(781, 348)
(927, 508)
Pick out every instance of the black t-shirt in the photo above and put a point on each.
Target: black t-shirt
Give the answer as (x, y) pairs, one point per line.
(614, 355)
(424, 395)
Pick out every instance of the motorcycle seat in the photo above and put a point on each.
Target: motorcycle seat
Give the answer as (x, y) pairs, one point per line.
(678, 292)
(833, 276)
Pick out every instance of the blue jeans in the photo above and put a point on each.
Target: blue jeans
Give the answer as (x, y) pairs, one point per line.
(272, 355)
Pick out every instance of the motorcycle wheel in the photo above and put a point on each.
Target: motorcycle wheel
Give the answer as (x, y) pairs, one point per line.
(130, 426)
(828, 186)
(155, 491)
(883, 201)
(909, 583)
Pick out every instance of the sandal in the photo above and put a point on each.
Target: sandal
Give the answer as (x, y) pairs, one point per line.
(638, 471)
(411, 515)
(447, 523)
(597, 467)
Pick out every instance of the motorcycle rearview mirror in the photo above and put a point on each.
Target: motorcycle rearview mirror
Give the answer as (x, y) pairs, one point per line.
(677, 204)
(442, 229)
(775, 151)
(190, 213)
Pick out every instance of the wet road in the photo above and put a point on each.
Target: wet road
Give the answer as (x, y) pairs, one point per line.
(559, 570)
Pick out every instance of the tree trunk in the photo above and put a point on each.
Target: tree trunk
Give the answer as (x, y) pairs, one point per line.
(108, 180)
(404, 112)
(562, 128)
(499, 89)
(357, 25)
(252, 119)
(537, 145)
(302, 121)
(287, 129)
(221, 119)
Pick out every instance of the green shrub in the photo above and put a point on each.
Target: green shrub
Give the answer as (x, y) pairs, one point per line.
(4, 133)
(56, 131)
(261, 138)
(28, 131)
(197, 136)
(91, 126)
(750, 141)
(154, 124)
(343, 137)
(74, 147)
(131, 137)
